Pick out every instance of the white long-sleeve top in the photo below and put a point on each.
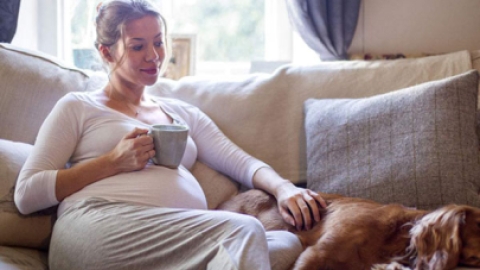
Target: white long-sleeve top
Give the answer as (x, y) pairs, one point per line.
(80, 128)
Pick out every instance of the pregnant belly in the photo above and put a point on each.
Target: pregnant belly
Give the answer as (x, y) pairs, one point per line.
(154, 185)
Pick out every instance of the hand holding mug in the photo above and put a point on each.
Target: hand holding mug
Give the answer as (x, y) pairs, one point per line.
(133, 151)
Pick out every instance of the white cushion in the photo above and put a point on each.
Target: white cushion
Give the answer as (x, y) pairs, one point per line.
(12, 157)
(19, 230)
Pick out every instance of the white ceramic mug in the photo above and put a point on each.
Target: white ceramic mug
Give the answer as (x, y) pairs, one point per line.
(170, 142)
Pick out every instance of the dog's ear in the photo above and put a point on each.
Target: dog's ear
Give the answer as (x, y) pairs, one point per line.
(470, 234)
(435, 239)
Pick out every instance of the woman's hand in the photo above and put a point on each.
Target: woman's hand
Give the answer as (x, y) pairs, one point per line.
(133, 151)
(298, 206)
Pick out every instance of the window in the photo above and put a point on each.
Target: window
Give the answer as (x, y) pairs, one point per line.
(230, 35)
(80, 19)
(227, 31)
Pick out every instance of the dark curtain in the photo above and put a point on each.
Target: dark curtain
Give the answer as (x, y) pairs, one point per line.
(8, 19)
(326, 26)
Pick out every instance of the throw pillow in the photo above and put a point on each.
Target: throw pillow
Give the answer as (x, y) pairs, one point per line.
(217, 187)
(31, 231)
(417, 146)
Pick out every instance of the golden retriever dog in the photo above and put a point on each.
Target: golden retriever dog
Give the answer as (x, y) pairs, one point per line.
(360, 234)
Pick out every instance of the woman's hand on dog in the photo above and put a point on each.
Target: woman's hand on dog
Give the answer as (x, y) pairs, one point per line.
(298, 206)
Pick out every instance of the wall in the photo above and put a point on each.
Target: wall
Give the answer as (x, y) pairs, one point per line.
(417, 26)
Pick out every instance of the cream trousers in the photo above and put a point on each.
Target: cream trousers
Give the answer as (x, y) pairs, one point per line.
(98, 234)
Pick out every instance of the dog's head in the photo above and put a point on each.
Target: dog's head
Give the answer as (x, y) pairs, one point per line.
(446, 237)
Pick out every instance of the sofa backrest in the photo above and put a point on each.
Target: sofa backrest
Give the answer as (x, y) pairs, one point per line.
(263, 114)
(31, 84)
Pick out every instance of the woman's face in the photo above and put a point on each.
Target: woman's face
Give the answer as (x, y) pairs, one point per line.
(144, 50)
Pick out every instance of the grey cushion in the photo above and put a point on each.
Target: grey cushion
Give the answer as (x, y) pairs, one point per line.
(416, 146)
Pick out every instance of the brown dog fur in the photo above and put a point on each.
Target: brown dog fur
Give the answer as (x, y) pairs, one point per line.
(359, 234)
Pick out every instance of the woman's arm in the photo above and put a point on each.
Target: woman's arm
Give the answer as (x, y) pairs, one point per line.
(55, 143)
(297, 205)
(216, 150)
(44, 181)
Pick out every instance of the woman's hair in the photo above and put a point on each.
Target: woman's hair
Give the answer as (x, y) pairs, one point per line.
(113, 15)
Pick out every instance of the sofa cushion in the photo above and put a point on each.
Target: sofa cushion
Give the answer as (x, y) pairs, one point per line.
(417, 146)
(263, 114)
(31, 84)
(217, 187)
(32, 231)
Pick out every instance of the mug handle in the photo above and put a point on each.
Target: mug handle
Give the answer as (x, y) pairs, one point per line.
(154, 158)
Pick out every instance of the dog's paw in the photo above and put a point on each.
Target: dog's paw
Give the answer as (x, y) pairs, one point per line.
(390, 266)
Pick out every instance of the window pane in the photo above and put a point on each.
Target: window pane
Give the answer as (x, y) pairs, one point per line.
(82, 22)
(226, 30)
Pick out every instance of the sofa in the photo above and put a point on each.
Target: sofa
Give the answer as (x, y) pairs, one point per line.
(391, 130)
